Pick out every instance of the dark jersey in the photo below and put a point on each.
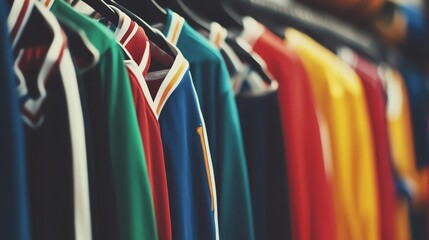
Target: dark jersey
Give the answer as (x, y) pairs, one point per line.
(14, 213)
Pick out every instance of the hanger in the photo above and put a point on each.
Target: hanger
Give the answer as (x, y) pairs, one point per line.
(324, 28)
(247, 57)
(104, 9)
(149, 10)
(182, 8)
(220, 11)
(151, 34)
(200, 23)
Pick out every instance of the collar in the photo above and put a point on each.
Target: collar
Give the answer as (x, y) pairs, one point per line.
(217, 34)
(86, 47)
(174, 76)
(18, 18)
(252, 30)
(134, 41)
(31, 108)
(134, 69)
(171, 81)
(173, 27)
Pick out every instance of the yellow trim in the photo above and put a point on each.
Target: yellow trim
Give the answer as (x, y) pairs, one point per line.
(170, 86)
(175, 32)
(217, 39)
(47, 3)
(206, 162)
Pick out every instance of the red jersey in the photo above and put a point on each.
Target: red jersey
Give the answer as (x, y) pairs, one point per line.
(135, 42)
(311, 200)
(376, 99)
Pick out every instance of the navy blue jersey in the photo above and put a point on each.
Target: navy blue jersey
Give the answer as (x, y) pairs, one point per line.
(14, 216)
(419, 108)
(263, 144)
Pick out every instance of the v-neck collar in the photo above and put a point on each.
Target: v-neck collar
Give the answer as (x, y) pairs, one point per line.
(172, 79)
(17, 21)
(124, 33)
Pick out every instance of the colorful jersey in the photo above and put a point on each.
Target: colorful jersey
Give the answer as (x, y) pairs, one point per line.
(54, 126)
(260, 123)
(372, 83)
(310, 195)
(419, 102)
(191, 185)
(211, 80)
(340, 97)
(418, 105)
(401, 143)
(14, 211)
(123, 207)
(259, 111)
(136, 44)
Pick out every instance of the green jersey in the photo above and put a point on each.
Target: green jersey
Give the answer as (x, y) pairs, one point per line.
(120, 192)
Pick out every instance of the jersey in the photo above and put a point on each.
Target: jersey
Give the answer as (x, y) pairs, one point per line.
(305, 169)
(259, 112)
(418, 100)
(54, 129)
(418, 105)
(123, 207)
(260, 122)
(372, 83)
(14, 209)
(211, 80)
(191, 184)
(402, 145)
(136, 44)
(340, 97)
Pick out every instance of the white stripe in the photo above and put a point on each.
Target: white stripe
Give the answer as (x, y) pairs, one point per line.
(13, 18)
(176, 20)
(173, 23)
(145, 59)
(22, 86)
(82, 214)
(142, 82)
(124, 24)
(131, 35)
(210, 163)
(174, 69)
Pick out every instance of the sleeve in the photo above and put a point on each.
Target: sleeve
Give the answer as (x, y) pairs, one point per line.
(134, 198)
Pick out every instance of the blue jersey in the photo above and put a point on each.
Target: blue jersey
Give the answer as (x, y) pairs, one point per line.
(191, 185)
(212, 84)
(14, 222)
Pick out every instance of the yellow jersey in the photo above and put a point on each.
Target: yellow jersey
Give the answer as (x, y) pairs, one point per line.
(341, 99)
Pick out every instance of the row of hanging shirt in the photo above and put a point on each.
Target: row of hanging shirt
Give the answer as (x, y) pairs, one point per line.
(132, 133)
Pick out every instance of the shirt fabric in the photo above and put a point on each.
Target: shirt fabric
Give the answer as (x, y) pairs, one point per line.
(54, 128)
(135, 42)
(340, 97)
(211, 80)
(258, 107)
(310, 194)
(123, 202)
(372, 84)
(191, 185)
(14, 206)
